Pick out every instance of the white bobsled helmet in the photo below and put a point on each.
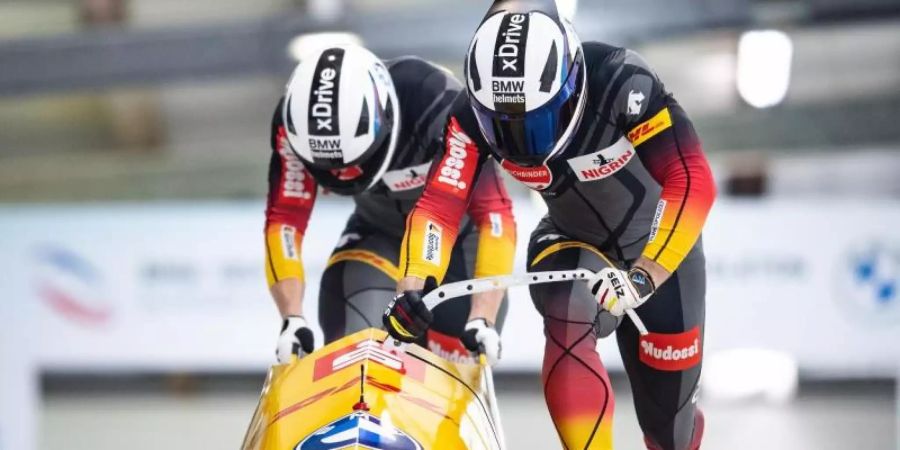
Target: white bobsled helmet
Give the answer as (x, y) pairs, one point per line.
(525, 74)
(341, 116)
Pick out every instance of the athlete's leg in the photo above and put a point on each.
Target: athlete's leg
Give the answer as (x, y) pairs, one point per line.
(576, 385)
(664, 368)
(358, 282)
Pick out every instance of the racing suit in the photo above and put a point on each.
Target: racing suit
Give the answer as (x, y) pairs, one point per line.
(361, 274)
(633, 181)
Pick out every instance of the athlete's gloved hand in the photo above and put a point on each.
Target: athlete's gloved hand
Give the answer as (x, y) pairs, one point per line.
(480, 336)
(617, 290)
(406, 317)
(295, 339)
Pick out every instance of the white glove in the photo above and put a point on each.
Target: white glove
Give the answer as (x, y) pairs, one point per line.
(617, 290)
(480, 336)
(295, 339)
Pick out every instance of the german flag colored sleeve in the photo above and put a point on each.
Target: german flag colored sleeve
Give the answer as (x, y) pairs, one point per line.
(670, 150)
(491, 209)
(292, 193)
(433, 224)
(665, 141)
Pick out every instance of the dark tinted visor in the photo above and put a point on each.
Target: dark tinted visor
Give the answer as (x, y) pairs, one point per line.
(527, 139)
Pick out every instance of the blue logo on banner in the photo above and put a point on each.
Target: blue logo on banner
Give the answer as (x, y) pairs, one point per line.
(869, 284)
(876, 272)
(358, 429)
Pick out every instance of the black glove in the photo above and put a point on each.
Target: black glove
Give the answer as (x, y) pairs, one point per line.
(406, 317)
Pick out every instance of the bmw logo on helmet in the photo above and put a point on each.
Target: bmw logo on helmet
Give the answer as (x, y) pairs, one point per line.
(525, 76)
(341, 117)
(358, 430)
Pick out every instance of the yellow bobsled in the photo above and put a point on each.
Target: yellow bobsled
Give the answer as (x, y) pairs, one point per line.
(358, 393)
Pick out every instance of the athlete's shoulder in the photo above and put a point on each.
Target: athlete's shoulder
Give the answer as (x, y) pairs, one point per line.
(413, 72)
(424, 90)
(624, 81)
(606, 62)
(463, 118)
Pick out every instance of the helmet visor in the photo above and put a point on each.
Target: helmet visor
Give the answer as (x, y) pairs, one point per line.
(529, 139)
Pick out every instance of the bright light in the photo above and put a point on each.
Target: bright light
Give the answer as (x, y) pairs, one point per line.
(764, 67)
(567, 9)
(743, 374)
(306, 43)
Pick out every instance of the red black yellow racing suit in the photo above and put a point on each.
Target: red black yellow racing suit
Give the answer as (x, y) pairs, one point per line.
(362, 272)
(633, 181)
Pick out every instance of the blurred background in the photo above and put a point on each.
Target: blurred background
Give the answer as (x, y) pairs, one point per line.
(133, 156)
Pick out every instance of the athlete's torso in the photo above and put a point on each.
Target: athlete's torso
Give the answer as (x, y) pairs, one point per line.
(599, 191)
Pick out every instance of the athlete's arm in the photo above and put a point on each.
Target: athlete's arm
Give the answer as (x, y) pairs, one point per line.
(667, 144)
(491, 209)
(433, 224)
(292, 193)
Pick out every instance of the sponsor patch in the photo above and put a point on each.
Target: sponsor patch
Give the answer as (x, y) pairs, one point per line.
(601, 164)
(296, 183)
(537, 178)
(449, 348)
(289, 242)
(657, 124)
(406, 179)
(671, 352)
(635, 98)
(657, 218)
(457, 168)
(431, 248)
(496, 224)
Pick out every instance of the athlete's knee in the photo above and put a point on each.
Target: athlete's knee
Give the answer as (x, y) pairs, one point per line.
(687, 435)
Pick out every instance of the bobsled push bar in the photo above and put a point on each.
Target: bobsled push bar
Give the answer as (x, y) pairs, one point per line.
(477, 285)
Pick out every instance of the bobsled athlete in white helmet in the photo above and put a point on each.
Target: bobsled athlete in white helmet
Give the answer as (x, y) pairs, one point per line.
(593, 130)
(370, 129)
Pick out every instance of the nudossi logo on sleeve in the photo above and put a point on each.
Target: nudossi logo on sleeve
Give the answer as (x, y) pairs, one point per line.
(459, 162)
(295, 182)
